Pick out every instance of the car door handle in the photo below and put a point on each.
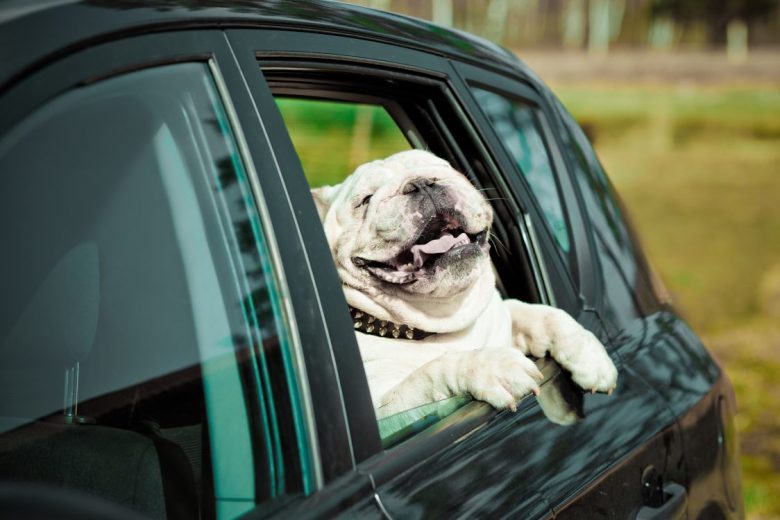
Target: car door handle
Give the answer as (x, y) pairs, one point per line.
(673, 507)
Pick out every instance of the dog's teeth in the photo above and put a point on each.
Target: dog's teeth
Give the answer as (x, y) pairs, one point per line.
(382, 331)
(396, 333)
(370, 329)
(358, 324)
(409, 334)
(371, 319)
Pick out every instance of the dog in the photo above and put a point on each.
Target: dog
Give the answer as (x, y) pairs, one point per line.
(409, 237)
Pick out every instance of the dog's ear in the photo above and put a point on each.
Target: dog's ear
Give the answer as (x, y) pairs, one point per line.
(323, 197)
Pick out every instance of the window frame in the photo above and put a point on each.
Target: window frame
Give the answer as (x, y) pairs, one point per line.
(268, 46)
(85, 66)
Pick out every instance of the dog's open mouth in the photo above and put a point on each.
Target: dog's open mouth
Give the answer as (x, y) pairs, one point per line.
(442, 237)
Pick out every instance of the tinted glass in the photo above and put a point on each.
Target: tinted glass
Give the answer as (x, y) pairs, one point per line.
(516, 123)
(138, 313)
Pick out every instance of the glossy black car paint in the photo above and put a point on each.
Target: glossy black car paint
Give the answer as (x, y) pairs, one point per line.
(673, 408)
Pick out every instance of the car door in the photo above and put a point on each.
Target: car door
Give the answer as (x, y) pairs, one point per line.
(176, 303)
(474, 461)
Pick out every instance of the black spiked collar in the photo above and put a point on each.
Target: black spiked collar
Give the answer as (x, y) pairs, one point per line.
(367, 324)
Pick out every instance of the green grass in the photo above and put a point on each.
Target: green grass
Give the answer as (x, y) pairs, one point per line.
(332, 138)
(699, 169)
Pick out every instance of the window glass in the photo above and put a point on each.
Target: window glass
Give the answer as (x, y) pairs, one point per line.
(333, 138)
(516, 123)
(138, 317)
(397, 427)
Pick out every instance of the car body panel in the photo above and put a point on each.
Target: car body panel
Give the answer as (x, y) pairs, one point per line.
(67, 24)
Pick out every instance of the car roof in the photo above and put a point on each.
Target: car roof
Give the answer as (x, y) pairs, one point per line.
(67, 24)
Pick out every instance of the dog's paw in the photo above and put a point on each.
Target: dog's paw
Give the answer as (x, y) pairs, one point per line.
(539, 329)
(500, 377)
(583, 355)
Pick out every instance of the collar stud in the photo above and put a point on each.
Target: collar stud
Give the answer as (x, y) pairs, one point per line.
(368, 324)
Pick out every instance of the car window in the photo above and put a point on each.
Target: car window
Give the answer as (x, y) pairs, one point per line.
(139, 322)
(333, 138)
(516, 123)
(324, 126)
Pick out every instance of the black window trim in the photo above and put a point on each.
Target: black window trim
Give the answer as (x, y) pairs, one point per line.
(337, 403)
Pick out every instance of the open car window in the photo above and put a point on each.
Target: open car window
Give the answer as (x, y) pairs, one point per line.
(340, 120)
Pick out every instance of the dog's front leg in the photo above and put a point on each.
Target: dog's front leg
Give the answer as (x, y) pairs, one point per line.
(500, 377)
(539, 329)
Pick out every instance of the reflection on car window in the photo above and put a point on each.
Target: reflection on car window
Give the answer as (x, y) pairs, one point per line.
(516, 124)
(333, 138)
(138, 320)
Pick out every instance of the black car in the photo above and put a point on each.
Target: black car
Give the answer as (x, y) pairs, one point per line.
(174, 340)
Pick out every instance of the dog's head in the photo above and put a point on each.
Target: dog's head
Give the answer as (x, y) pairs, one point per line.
(410, 234)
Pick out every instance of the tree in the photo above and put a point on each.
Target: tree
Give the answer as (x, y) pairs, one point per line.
(716, 14)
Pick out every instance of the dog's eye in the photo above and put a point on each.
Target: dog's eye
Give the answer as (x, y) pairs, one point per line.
(364, 201)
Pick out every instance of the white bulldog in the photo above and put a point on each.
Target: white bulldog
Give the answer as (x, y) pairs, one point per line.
(409, 235)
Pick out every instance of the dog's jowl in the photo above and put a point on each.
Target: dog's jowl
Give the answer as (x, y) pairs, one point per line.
(409, 236)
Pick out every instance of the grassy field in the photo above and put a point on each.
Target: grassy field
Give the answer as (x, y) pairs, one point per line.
(699, 168)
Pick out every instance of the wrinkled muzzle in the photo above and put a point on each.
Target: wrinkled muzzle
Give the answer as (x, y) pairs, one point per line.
(441, 235)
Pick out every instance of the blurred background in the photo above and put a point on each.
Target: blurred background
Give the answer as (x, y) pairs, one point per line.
(682, 101)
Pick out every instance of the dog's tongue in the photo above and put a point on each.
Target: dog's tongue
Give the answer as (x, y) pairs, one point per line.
(438, 246)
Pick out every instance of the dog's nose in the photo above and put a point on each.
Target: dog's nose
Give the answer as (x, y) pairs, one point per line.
(421, 184)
